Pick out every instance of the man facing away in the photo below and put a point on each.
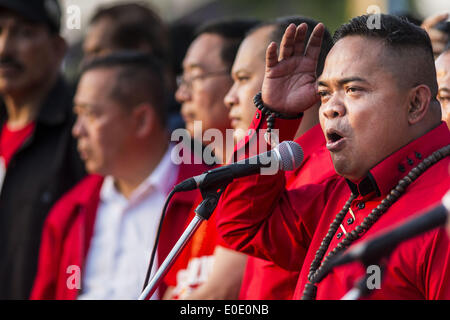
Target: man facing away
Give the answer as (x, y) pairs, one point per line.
(383, 129)
(99, 237)
(38, 156)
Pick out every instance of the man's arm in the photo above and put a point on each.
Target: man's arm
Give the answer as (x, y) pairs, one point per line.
(224, 281)
(256, 215)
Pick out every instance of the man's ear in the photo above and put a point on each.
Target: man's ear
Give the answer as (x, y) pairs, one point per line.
(144, 118)
(418, 103)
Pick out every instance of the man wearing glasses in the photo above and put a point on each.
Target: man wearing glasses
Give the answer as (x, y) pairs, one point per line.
(205, 269)
(206, 77)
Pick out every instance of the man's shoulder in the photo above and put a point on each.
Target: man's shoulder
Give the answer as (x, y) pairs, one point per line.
(84, 193)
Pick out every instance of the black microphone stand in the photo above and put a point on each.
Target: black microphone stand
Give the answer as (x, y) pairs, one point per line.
(211, 195)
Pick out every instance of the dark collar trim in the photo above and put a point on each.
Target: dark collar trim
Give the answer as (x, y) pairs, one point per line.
(365, 186)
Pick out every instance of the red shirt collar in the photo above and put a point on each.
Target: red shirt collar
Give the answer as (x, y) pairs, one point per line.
(386, 174)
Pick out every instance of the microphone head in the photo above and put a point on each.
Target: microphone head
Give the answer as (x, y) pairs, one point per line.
(291, 155)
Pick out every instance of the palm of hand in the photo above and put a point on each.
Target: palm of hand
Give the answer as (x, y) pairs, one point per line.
(290, 86)
(289, 83)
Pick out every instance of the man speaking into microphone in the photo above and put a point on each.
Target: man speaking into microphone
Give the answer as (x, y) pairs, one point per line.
(382, 124)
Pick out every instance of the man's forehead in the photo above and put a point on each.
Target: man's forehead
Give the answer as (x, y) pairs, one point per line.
(354, 57)
(443, 62)
(255, 44)
(204, 52)
(10, 17)
(97, 81)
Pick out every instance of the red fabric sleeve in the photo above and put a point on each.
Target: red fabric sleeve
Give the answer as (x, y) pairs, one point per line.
(257, 216)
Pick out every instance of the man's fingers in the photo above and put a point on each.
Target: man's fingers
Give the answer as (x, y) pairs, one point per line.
(315, 42)
(437, 35)
(438, 48)
(300, 36)
(287, 43)
(430, 22)
(271, 55)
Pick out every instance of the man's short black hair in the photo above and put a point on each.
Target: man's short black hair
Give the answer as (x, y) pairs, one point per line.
(409, 44)
(280, 25)
(139, 79)
(135, 24)
(232, 30)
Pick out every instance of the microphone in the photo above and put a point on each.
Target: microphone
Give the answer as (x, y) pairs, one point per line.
(370, 251)
(287, 156)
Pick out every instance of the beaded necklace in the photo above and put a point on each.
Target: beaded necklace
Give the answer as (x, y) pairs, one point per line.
(317, 268)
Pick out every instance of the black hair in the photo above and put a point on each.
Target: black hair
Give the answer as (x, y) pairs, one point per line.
(232, 30)
(139, 79)
(135, 24)
(280, 25)
(406, 42)
(410, 17)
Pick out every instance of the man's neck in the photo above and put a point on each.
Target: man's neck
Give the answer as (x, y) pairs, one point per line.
(127, 183)
(24, 107)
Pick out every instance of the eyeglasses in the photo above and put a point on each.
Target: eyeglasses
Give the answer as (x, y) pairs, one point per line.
(182, 80)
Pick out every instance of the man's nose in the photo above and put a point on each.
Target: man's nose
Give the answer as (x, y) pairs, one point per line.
(78, 128)
(6, 43)
(183, 94)
(333, 108)
(231, 98)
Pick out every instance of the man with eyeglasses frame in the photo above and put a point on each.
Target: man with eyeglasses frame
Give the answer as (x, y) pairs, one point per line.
(206, 76)
(206, 269)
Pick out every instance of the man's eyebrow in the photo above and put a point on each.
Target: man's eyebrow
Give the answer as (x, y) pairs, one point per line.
(443, 90)
(83, 105)
(342, 82)
(193, 66)
(240, 71)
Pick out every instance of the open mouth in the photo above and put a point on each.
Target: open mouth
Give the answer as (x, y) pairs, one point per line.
(334, 137)
(335, 141)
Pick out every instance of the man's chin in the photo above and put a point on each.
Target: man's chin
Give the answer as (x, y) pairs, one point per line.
(342, 167)
(9, 85)
(91, 168)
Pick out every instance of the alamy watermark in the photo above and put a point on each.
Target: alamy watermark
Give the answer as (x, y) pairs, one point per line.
(373, 277)
(74, 277)
(374, 20)
(214, 140)
(73, 17)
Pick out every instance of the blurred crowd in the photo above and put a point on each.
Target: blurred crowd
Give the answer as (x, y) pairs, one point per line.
(86, 162)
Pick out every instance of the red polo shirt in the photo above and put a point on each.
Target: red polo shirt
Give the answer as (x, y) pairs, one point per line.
(260, 217)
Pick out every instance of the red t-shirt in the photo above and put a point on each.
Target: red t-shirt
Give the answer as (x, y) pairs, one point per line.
(193, 266)
(11, 140)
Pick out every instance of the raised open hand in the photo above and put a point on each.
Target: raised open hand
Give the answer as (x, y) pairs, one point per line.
(289, 83)
(438, 38)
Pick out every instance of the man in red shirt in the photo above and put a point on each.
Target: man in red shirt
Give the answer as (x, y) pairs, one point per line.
(382, 125)
(263, 279)
(98, 238)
